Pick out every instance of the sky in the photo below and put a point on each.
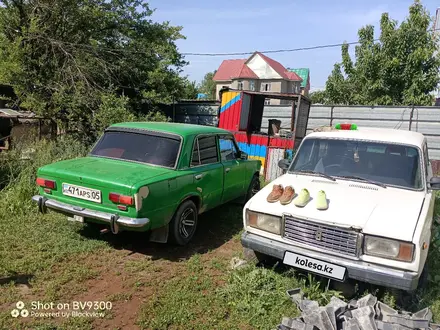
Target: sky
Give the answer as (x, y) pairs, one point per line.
(246, 26)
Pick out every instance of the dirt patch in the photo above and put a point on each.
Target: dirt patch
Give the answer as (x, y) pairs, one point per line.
(109, 286)
(134, 276)
(129, 272)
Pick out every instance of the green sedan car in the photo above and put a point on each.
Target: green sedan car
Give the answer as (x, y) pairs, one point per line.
(147, 176)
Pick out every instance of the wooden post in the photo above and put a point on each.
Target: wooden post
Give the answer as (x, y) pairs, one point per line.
(174, 110)
(53, 129)
(292, 120)
(39, 129)
(298, 109)
(266, 156)
(331, 115)
(411, 117)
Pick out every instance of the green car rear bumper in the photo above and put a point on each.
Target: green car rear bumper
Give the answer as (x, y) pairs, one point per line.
(45, 203)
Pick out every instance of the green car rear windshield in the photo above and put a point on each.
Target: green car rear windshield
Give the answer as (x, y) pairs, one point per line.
(154, 149)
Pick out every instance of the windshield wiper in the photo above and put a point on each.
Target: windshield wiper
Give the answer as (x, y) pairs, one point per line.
(363, 179)
(317, 173)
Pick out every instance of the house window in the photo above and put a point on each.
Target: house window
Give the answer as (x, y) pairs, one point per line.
(204, 151)
(265, 87)
(267, 101)
(252, 85)
(240, 85)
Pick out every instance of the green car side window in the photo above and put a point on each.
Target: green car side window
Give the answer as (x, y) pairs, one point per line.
(228, 150)
(204, 151)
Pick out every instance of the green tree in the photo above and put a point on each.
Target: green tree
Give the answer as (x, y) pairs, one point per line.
(65, 57)
(111, 110)
(317, 97)
(401, 68)
(190, 90)
(208, 85)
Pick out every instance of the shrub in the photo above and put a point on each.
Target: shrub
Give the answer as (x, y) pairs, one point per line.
(18, 170)
(116, 109)
(113, 109)
(154, 116)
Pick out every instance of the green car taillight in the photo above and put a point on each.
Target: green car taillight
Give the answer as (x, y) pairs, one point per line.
(121, 199)
(47, 185)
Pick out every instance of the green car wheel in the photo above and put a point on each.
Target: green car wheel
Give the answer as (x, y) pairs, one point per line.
(184, 223)
(254, 187)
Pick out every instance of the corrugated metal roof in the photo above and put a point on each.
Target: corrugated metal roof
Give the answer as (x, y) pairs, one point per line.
(303, 73)
(10, 112)
(231, 69)
(279, 68)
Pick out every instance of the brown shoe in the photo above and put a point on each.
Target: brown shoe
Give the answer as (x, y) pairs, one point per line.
(276, 193)
(288, 195)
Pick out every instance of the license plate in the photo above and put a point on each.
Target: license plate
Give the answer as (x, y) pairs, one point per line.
(315, 266)
(76, 218)
(88, 194)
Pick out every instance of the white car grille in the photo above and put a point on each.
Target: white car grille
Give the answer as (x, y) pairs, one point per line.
(325, 237)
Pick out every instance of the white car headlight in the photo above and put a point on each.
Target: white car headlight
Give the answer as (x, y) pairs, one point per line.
(264, 222)
(388, 248)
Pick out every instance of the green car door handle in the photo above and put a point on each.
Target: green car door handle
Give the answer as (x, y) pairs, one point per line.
(227, 169)
(198, 176)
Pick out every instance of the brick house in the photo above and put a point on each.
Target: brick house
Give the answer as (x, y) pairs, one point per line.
(257, 73)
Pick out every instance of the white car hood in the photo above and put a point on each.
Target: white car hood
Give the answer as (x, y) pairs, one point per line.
(389, 212)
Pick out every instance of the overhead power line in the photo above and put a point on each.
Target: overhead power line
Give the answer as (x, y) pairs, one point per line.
(275, 51)
(122, 50)
(286, 50)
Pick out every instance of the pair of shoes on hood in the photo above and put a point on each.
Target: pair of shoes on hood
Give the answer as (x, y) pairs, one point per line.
(286, 195)
(304, 197)
(281, 194)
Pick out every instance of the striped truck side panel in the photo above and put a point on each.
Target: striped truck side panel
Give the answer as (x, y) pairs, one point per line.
(230, 110)
(281, 143)
(256, 145)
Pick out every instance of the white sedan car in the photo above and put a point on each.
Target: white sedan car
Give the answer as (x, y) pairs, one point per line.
(354, 203)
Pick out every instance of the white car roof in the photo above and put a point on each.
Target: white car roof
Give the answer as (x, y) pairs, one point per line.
(374, 134)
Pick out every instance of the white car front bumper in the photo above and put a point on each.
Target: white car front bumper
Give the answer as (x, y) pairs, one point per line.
(356, 269)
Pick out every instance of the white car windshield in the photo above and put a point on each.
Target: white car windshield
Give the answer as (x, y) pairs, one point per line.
(383, 163)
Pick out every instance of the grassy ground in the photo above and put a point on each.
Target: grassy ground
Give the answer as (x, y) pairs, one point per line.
(164, 287)
(151, 286)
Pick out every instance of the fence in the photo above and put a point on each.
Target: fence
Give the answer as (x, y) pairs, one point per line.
(201, 113)
(197, 112)
(425, 120)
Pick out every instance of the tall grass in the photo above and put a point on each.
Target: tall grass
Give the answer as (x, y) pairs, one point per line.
(32, 242)
(18, 170)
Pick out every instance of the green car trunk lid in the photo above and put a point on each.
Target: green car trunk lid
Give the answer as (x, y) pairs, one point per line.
(106, 175)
